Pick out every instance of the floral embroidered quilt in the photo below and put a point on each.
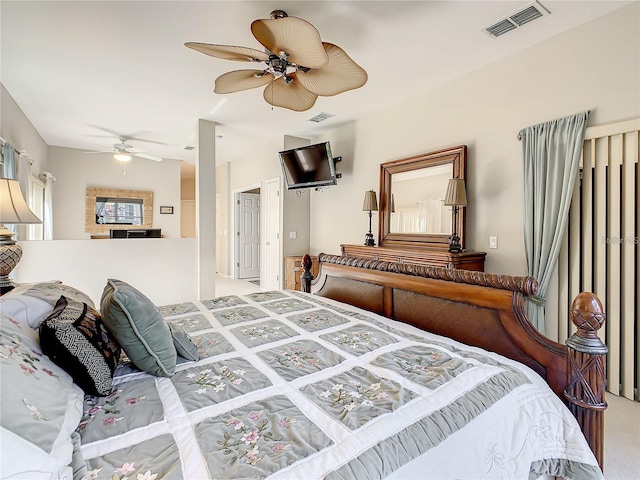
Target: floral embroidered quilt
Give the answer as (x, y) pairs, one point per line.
(294, 386)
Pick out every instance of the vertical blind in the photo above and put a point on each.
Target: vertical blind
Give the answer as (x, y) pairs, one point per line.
(600, 252)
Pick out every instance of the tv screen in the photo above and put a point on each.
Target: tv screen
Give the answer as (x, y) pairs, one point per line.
(310, 166)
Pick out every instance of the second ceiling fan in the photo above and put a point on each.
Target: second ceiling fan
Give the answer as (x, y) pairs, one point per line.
(300, 67)
(123, 152)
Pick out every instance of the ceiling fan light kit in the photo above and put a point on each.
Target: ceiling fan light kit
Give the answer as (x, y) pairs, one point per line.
(122, 157)
(300, 67)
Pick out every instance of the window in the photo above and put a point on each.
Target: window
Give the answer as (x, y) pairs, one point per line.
(120, 211)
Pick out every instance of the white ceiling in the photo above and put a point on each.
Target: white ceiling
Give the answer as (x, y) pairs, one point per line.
(86, 72)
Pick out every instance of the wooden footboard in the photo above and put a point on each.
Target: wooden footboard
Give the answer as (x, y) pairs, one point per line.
(483, 310)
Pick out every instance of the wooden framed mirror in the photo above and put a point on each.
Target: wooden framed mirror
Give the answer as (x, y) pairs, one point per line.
(132, 207)
(412, 192)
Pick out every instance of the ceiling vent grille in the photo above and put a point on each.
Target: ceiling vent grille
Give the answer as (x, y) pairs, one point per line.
(518, 19)
(321, 117)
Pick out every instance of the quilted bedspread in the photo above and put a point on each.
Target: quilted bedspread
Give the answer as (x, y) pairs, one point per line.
(296, 386)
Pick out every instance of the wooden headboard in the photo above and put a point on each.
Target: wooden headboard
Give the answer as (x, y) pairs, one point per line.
(483, 310)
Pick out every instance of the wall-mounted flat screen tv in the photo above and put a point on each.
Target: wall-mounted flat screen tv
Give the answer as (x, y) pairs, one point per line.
(309, 166)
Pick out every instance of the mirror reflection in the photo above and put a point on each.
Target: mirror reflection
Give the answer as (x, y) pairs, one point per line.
(419, 201)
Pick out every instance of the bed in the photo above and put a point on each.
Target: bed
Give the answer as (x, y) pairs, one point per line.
(342, 380)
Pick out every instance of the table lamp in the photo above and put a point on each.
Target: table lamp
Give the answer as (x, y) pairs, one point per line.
(455, 197)
(370, 205)
(13, 210)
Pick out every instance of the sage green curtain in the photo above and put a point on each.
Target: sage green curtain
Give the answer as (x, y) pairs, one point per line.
(551, 153)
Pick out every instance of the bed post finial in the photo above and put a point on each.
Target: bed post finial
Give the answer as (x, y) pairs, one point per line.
(306, 276)
(586, 370)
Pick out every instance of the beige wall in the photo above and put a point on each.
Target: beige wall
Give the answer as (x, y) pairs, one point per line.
(295, 208)
(187, 200)
(336, 212)
(16, 129)
(594, 67)
(188, 188)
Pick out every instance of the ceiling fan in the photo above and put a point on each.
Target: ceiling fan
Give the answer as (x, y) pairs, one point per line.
(299, 66)
(124, 152)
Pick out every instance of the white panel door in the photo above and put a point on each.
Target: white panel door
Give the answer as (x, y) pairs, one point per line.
(249, 235)
(272, 260)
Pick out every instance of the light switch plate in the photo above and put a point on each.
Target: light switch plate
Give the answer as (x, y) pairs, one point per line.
(493, 242)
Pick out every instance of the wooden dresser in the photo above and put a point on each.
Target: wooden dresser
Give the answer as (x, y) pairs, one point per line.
(434, 257)
(293, 269)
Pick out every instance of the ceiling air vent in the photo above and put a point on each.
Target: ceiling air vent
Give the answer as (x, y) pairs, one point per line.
(321, 117)
(500, 28)
(517, 19)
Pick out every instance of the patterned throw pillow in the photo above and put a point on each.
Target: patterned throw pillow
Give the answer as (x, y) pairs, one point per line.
(76, 340)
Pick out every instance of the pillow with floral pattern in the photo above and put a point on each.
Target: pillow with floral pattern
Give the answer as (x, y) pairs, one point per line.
(40, 409)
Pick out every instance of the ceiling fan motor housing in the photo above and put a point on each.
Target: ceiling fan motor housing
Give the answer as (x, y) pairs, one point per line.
(278, 14)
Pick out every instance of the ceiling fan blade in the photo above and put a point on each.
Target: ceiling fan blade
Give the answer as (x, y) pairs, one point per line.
(111, 133)
(238, 80)
(147, 156)
(294, 36)
(122, 137)
(339, 75)
(145, 140)
(289, 95)
(229, 52)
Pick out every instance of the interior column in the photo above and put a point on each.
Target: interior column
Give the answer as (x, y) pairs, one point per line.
(206, 208)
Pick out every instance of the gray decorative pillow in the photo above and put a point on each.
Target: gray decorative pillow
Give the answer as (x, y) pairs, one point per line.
(139, 328)
(183, 343)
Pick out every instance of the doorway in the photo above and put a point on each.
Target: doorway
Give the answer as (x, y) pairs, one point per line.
(247, 235)
(263, 231)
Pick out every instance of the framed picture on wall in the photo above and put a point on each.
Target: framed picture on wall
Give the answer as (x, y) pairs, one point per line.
(166, 210)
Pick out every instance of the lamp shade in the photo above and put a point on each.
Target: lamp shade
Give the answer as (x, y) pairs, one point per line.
(370, 202)
(456, 194)
(13, 208)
